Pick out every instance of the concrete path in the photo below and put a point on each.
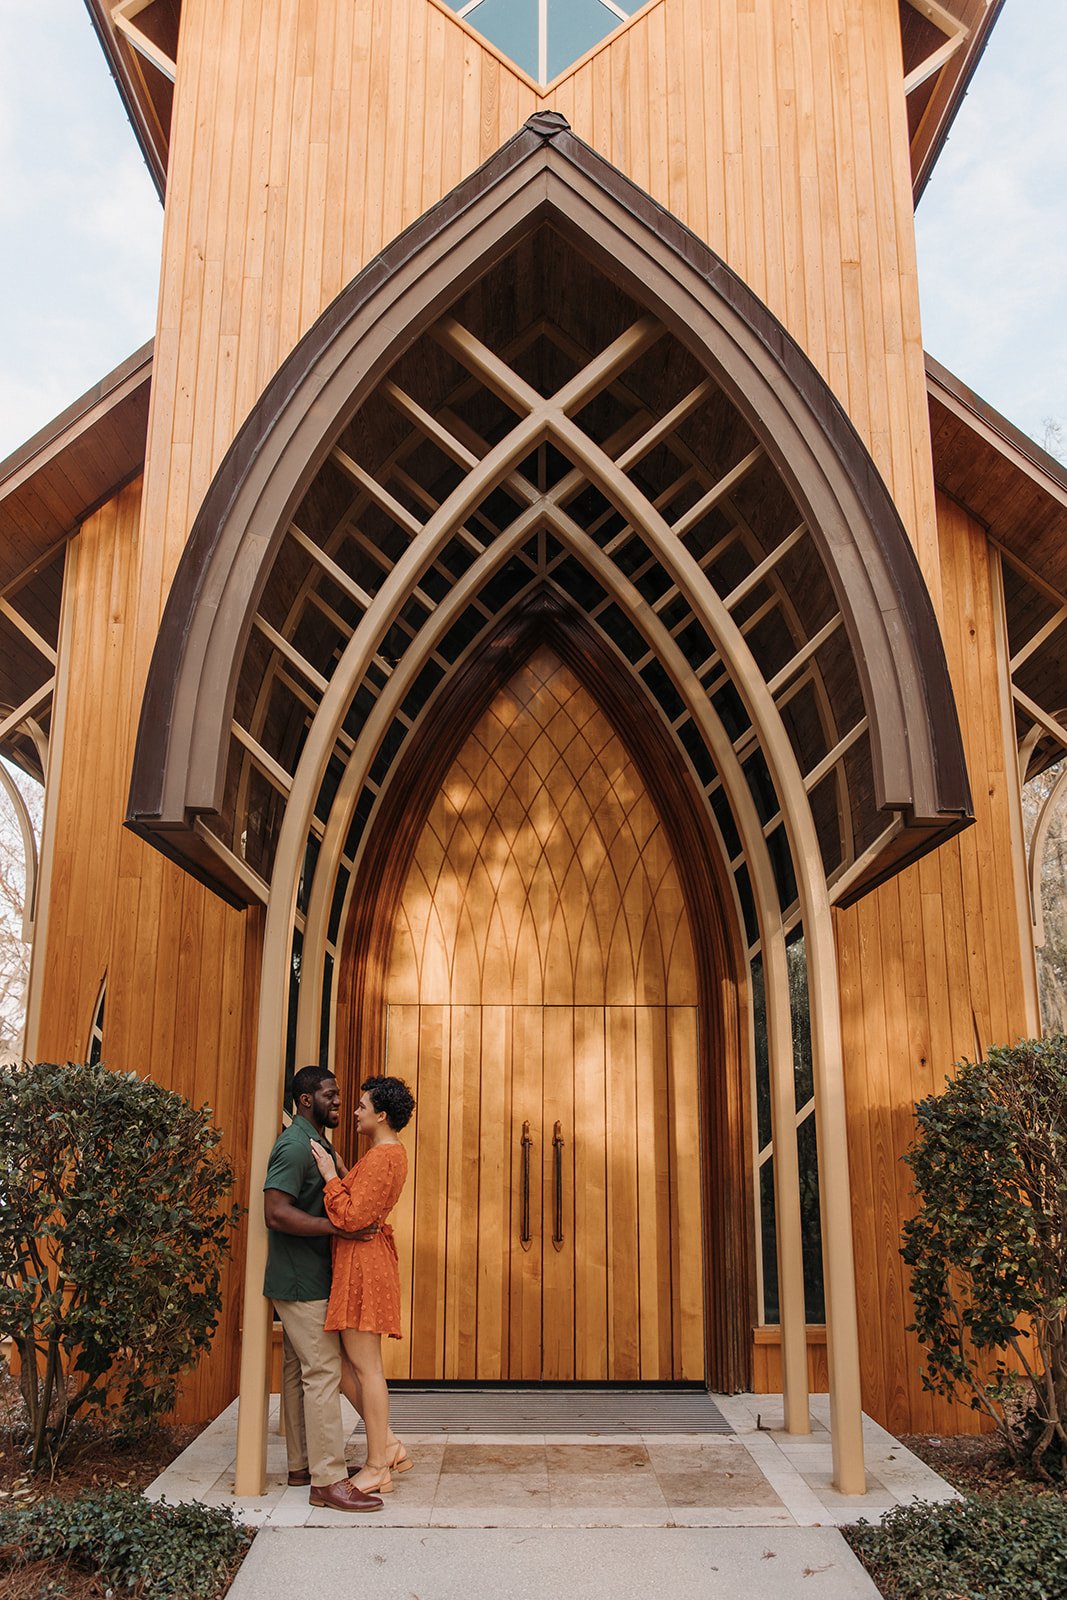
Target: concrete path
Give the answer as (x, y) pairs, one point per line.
(357, 1561)
(746, 1515)
(755, 1477)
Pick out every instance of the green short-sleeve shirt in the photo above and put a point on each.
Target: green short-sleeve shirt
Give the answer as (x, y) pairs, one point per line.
(297, 1268)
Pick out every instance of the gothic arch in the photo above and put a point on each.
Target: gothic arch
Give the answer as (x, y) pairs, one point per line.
(544, 174)
(438, 431)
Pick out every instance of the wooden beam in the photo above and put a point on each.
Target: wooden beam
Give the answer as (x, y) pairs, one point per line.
(33, 702)
(290, 652)
(336, 573)
(28, 631)
(122, 16)
(430, 426)
(814, 644)
(956, 33)
(1043, 633)
(760, 571)
(272, 769)
(1037, 714)
(240, 868)
(709, 501)
(381, 496)
(666, 425)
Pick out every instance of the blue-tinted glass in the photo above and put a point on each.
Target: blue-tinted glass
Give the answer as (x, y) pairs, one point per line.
(512, 26)
(575, 26)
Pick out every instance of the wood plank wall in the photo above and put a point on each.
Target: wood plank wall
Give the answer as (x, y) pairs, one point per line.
(306, 135)
(181, 966)
(931, 971)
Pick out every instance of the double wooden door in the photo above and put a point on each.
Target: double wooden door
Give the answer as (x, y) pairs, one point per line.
(541, 1001)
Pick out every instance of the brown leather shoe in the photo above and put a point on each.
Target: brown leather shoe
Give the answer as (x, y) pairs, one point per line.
(343, 1496)
(300, 1478)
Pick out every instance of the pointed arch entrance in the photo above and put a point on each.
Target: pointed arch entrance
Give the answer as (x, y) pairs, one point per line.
(542, 934)
(539, 988)
(547, 385)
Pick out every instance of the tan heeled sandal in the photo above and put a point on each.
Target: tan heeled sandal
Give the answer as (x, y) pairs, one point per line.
(381, 1484)
(400, 1460)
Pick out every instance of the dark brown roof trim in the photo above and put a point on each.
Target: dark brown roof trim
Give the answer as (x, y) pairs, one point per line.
(974, 51)
(545, 173)
(155, 155)
(82, 414)
(1017, 446)
(72, 467)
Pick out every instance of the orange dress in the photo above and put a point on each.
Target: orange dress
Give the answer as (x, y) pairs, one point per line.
(365, 1291)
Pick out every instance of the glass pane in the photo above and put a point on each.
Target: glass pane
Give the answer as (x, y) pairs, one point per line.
(763, 1073)
(810, 1221)
(803, 1074)
(575, 26)
(769, 1241)
(512, 26)
(294, 1000)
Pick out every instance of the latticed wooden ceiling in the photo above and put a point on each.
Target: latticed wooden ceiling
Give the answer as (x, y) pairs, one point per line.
(544, 332)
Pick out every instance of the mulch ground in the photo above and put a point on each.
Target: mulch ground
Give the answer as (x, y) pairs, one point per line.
(975, 1463)
(93, 1459)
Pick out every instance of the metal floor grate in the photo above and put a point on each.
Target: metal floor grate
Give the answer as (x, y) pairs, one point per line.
(555, 1411)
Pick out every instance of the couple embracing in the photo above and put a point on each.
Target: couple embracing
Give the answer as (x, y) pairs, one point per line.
(332, 1274)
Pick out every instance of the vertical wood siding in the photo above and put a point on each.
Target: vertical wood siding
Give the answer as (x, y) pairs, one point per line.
(775, 129)
(181, 967)
(930, 972)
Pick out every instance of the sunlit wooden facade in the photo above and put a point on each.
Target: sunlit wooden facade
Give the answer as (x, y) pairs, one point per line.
(563, 609)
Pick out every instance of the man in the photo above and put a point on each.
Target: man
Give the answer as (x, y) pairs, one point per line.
(298, 1282)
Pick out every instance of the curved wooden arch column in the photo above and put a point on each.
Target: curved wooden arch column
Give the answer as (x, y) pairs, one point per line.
(545, 175)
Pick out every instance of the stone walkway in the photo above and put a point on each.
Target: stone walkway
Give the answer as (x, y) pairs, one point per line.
(755, 1477)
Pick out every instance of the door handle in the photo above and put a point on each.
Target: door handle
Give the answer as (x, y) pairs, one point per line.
(557, 1176)
(525, 1236)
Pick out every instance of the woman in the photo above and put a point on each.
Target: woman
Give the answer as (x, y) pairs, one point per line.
(365, 1294)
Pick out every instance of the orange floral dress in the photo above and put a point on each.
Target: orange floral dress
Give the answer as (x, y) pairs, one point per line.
(365, 1291)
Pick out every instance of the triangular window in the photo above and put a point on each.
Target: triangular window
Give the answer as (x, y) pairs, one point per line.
(545, 37)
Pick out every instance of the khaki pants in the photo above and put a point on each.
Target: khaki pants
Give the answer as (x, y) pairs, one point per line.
(311, 1391)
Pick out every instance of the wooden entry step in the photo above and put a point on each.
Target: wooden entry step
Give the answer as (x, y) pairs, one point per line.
(567, 1410)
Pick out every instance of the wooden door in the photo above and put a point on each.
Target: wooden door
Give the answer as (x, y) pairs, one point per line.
(542, 973)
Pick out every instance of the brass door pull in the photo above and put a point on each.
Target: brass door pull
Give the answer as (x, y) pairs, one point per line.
(525, 1236)
(557, 1164)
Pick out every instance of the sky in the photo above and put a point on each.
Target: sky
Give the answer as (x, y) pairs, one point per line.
(81, 222)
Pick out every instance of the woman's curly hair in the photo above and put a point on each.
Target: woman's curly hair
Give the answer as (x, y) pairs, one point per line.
(392, 1096)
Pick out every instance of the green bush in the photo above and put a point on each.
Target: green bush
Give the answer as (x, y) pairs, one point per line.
(113, 1231)
(988, 1245)
(986, 1547)
(171, 1552)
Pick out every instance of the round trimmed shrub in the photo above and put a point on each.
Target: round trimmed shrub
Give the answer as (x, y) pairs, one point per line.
(113, 1231)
